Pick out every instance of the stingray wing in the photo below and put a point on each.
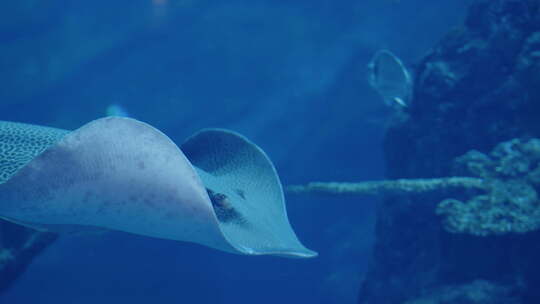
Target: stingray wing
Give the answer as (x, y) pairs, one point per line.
(254, 220)
(113, 173)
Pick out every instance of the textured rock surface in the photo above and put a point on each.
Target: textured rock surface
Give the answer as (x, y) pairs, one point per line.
(478, 87)
(510, 203)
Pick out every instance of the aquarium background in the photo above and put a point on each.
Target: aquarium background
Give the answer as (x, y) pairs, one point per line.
(291, 76)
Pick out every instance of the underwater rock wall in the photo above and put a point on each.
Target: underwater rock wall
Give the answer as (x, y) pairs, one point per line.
(478, 87)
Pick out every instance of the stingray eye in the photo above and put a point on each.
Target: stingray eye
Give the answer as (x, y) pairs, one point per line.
(219, 200)
(223, 208)
(222, 201)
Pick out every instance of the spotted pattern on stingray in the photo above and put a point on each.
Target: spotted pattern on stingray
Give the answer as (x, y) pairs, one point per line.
(20, 143)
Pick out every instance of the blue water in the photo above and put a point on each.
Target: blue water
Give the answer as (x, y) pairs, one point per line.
(290, 75)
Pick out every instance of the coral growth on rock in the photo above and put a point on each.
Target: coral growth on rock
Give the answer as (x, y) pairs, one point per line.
(510, 173)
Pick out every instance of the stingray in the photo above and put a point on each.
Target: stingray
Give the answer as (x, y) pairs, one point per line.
(217, 189)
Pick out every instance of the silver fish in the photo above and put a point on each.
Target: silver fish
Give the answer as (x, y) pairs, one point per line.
(389, 77)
